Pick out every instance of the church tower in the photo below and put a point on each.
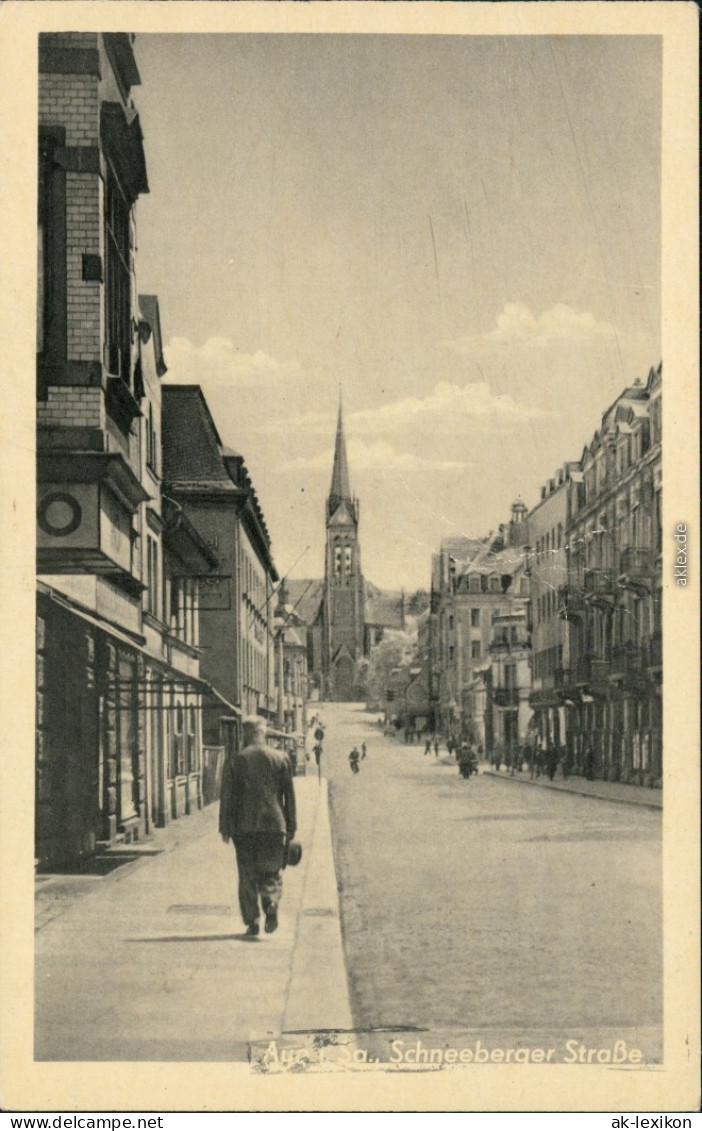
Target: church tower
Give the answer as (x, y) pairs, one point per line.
(343, 601)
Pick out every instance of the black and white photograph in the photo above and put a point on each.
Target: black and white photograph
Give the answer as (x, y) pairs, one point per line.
(353, 559)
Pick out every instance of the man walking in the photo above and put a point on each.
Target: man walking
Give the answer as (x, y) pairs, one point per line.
(257, 812)
(318, 751)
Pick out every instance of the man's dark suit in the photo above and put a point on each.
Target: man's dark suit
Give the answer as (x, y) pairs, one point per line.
(257, 811)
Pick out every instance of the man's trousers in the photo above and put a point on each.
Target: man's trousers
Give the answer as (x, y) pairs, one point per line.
(259, 859)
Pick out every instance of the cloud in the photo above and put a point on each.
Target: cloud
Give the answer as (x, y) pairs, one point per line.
(317, 423)
(219, 365)
(450, 404)
(378, 456)
(517, 325)
(448, 409)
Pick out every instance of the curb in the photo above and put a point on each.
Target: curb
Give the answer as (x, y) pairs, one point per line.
(577, 792)
(318, 995)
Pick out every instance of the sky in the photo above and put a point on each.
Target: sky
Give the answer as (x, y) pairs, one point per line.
(460, 235)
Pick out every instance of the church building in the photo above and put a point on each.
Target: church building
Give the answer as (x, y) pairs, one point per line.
(341, 615)
(345, 615)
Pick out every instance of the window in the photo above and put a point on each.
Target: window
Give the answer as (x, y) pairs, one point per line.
(152, 576)
(475, 649)
(51, 247)
(337, 562)
(475, 618)
(495, 585)
(347, 561)
(151, 442)
(178, 740)
(450, 623)
(117, 279)
(174, 611)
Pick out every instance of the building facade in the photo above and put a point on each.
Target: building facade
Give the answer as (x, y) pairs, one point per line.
(101, 740)
(211, 485)
(473, 581)
(612, 684)
(547, 523)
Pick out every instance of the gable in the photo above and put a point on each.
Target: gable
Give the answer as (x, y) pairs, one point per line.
(341, 517)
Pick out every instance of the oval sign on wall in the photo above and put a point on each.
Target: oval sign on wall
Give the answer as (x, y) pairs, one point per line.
(59, 514)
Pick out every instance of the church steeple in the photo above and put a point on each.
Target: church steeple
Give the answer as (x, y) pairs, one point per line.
(343, 603)
(340, 491)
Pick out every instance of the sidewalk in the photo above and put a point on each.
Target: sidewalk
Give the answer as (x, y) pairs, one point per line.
(150, 962)
(602, 790)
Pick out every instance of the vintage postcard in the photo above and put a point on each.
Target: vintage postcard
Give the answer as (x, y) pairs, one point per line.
(350, 561)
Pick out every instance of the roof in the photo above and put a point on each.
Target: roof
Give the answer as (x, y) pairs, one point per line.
(305, 595)
(292, 638)
(463, 549)
(191, 443)
(384, 609)
(340, 484)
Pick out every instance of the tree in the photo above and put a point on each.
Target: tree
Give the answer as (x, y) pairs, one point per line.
(418, 603)
(395, 650)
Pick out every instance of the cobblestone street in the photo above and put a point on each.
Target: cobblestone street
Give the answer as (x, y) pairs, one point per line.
(488, 906)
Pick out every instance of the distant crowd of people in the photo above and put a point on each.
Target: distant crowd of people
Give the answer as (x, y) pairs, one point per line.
(529, 758)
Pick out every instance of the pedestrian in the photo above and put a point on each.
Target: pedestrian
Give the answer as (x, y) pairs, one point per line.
(427, 746)
(436, 746)
(464, 759)
(551, 762)
(354, 758)
(258, 813)
(473, 758)
(317, 750)
(364, 750)
(450, 746)
(292, 755)
(590, 761)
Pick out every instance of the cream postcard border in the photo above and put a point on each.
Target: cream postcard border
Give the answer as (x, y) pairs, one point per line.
(26, 1085)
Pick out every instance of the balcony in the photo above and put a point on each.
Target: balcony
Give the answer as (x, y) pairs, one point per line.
(570, 602)
(600, 589)
(561, 677)
(590, 670)
(599, 583)
(627, 659)
(636, 570)
(506, 696)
